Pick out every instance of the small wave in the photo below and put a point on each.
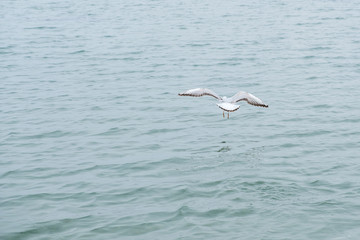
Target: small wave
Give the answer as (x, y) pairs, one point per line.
(163, 130)
(322, 106)
(40, 28)
(78, 52)
(53, 226)
(53, 134)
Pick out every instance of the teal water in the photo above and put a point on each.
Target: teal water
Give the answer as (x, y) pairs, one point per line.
(96, 144)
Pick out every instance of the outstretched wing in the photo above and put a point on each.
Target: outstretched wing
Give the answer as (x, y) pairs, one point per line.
(198, 92)
(251, 99)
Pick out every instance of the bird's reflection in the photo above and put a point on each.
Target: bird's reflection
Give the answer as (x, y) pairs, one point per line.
(224, 149)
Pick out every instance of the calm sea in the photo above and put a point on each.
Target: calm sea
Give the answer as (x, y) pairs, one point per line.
(95, 143)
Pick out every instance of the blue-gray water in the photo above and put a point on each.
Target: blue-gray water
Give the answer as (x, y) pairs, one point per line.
(96, 144)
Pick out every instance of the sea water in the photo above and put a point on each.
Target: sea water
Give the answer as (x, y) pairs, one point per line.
(95, 143)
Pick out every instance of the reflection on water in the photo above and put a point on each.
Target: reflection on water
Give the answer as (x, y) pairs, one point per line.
(224, 149)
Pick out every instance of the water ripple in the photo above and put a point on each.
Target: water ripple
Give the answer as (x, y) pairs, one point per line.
(95, 143)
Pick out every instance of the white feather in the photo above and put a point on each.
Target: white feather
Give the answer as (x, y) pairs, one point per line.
(229, 107)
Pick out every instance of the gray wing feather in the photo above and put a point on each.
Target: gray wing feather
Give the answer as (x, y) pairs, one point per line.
(198, 92)
(248, 97)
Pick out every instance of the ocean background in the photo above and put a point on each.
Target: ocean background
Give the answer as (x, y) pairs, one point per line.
(95, 143)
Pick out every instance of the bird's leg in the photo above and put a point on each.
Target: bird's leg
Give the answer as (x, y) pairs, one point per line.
(223, 114)
(228, 115)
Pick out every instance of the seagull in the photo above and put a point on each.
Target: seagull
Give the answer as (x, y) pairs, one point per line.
(226, 104)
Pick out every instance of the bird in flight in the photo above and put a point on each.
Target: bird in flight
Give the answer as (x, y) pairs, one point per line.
(226, 104)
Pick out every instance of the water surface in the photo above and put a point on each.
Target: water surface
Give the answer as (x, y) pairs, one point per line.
(96, 144)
